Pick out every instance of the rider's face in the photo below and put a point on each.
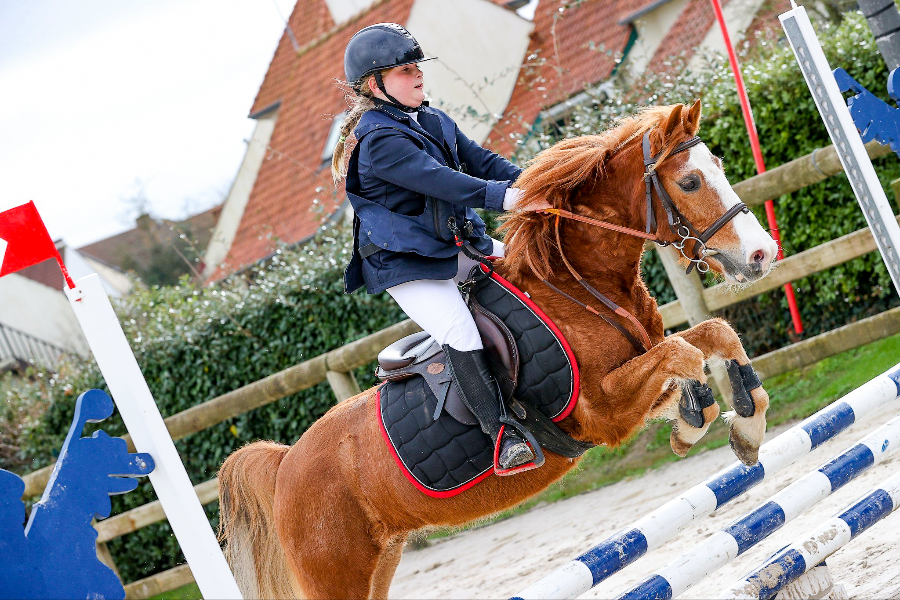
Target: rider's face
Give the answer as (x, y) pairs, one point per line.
(405, 83)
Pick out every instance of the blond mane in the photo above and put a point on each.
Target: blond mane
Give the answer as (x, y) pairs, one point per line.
(557, 172)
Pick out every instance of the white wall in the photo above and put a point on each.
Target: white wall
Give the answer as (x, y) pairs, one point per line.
(480, 45)
(40, 311)
(233, 208)
(739, 15)
(78, 267)
(117, 281)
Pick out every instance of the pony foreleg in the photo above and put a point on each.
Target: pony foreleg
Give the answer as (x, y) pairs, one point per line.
(649, 386)
(718, 341)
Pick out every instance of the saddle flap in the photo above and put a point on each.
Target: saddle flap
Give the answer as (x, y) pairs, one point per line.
(499, 346)
(502, 356)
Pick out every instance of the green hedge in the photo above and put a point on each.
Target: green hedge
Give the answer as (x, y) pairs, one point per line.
(789, 126)
(195, 343)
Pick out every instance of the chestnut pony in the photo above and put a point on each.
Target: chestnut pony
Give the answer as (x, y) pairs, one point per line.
(328, 517)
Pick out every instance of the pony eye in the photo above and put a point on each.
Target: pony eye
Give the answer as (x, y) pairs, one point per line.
(691, 183)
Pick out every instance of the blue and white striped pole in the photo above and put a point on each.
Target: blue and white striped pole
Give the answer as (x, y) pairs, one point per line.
(747, 531)
(798, 558)
(623, 548)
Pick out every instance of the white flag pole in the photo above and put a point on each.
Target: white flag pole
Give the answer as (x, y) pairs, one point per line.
(148, 431)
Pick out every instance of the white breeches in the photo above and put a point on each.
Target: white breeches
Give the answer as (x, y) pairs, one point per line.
(438, 308)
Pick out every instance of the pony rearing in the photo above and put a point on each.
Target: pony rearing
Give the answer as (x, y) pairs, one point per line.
(328, 516)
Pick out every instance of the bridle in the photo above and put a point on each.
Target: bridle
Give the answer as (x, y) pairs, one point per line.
(677, 222)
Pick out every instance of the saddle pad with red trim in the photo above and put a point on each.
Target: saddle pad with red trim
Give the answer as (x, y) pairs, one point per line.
(445, 457)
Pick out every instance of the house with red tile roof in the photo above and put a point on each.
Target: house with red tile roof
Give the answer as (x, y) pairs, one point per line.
(283, 190)
(43, 328)
(162, 247)
(499, 75)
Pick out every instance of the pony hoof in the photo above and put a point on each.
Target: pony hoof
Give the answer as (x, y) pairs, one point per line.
(679, 447)
(746, 451)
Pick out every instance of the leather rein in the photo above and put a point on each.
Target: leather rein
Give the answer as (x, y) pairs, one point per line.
(678, 224)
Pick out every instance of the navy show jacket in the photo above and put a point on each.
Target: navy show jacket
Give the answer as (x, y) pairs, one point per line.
(405, 180)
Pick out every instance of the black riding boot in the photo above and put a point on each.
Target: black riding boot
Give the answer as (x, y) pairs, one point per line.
(481, 394)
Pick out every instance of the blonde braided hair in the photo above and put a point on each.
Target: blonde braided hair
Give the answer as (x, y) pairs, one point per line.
(360, 102)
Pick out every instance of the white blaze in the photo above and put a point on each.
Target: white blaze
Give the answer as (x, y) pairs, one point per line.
(751, 234)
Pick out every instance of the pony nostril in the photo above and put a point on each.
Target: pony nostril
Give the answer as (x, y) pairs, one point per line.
(758, 261)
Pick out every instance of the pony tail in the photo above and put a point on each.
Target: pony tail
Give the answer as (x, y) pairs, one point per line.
(360, 103)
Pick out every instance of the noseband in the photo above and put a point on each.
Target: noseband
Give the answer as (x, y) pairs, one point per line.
(678, 224)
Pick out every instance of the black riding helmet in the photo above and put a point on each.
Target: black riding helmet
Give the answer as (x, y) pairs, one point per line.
(379, 47)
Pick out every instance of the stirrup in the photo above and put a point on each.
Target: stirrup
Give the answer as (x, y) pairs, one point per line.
(529, 439)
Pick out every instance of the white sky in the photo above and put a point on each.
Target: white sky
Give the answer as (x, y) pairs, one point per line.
(97, 95)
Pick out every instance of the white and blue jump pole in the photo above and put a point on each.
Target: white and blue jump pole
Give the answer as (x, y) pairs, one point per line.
(798, 558)
(747, 531)
(625, 547)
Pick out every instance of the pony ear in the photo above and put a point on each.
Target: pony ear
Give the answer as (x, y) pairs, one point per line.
(692, 121)
(673, 121)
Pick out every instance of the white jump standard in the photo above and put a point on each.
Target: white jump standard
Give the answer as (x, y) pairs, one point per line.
(623, 548)
(845, 137)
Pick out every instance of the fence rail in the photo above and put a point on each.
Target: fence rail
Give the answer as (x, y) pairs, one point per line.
(18, 346)
(336, 366)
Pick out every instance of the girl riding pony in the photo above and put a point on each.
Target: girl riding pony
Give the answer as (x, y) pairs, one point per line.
(411, 177)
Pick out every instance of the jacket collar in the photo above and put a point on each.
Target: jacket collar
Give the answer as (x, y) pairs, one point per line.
(371, 119)
(396, 113)
(402, 117)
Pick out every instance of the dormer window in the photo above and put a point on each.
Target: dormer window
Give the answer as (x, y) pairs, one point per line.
(333, 135)
(343, 10)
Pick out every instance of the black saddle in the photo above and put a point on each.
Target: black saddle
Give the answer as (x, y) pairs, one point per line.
(434, 437)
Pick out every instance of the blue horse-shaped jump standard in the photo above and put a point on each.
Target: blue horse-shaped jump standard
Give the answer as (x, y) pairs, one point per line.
(874, 118)
(55, 555)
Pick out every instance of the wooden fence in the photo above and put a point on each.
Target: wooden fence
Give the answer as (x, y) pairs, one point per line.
(337, 365)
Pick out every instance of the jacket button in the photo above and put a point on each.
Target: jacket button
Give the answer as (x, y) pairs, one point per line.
(384, 244)
(368, 233)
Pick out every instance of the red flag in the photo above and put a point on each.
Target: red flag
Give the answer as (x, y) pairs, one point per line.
(24, 240)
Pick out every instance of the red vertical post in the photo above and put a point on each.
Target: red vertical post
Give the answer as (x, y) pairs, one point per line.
(757, 156)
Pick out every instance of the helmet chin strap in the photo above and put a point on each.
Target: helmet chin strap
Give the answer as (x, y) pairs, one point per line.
(379, 81)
